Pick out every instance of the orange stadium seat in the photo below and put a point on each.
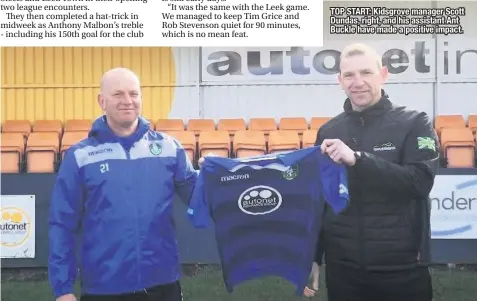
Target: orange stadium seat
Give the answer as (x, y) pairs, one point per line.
(41, 152)
(249, 144)
(13, 147)
(217, 142)
(199, 125)
(309, 138)
(458, 147)
(283, 141)
(317, 122)
(231, 125)
(448, 121)
(48, 126)
(265, 125)
(298, 124)
(71, 138)
(78, 125)
(17, 126)
(472, 123)
(167, 125)
(187, 140)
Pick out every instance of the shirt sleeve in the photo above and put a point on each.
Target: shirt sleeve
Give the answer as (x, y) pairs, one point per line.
(415, 177)
(334, 182)
(185, 175)
(198, 211)
(65, 215)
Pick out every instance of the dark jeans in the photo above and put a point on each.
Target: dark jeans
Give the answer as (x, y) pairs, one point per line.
(348, 284)
(166, 292)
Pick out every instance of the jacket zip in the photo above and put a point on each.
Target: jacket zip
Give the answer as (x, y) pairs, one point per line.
(138, 249)
(360, 207)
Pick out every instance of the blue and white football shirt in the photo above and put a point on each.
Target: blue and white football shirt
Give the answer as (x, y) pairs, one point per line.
(267, 211)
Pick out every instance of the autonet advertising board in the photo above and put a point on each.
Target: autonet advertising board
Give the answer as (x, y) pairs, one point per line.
(18, 226)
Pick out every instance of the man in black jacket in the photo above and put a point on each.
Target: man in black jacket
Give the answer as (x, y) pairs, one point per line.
(378, 248)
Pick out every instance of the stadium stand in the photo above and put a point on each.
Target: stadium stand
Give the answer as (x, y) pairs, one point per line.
(317, 122)
(217, 142)
(199, 125)
(232, 126)
(309, 137)
(78, 125)
(188, 141)
(293, 124)
(167, 125)
(472, 124)
(282, 141)
(265, 125)
(42, 151)
(448, 121)
(48, 126)
(17, 126)
(70, 138)
(262, 124)
(13, 148)
(458, 147)
(39, 148)
(249, 144)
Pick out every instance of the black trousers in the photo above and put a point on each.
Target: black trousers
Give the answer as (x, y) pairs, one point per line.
(349, 284)
(166, 292)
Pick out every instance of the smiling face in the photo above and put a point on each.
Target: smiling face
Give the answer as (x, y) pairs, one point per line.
(120, 98)
(361, 76)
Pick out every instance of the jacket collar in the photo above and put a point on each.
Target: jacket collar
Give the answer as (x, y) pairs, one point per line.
(103, 133)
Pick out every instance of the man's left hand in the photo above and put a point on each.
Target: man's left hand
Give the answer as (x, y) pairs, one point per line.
(315, 276)
(202, 159)
(338, 151)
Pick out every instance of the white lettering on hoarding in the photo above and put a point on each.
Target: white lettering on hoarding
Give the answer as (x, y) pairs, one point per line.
(18, 226)
(454, 207)
(402, 58)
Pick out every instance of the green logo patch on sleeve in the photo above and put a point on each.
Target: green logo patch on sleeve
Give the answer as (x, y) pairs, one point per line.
(426, 143)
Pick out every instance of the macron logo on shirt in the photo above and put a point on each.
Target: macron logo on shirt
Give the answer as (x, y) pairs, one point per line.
(234, 177)
(100, 151)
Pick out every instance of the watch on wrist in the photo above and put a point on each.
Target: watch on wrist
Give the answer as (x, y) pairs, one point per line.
(358, 155)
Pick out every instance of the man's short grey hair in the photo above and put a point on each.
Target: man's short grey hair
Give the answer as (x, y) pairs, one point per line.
(360, 49)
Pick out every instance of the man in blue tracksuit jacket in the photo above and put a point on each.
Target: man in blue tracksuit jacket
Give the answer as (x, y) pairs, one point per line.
(114, 193)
